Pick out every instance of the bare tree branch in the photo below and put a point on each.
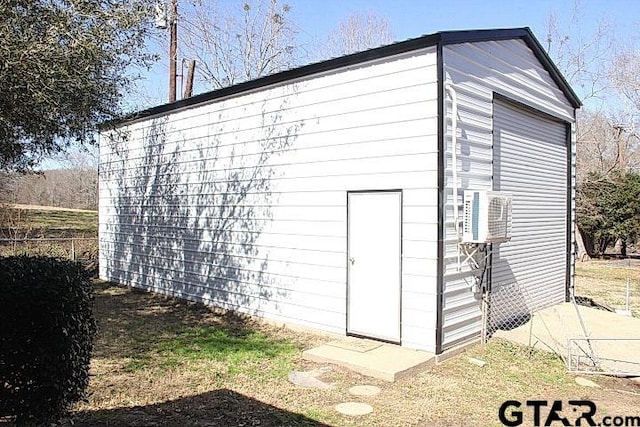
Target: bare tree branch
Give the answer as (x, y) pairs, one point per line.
(359, 31)
(584, 58)
(235, 45)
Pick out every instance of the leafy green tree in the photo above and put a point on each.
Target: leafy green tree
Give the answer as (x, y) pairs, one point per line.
(64, 65)
(608, 208)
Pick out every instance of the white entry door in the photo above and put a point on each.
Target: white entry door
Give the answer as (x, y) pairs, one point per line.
(374, 239)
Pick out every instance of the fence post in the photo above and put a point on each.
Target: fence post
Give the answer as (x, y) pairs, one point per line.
(73, 250)
(628, 295)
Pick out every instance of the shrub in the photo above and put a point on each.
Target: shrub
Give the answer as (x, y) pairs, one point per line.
(46, 337)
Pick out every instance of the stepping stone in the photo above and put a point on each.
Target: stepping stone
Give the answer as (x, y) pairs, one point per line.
(477, 362)
(310, 379)
(364, 390)
(354, 409)
(586, 383)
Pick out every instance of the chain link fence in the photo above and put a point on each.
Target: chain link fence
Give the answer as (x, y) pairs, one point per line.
(612, 285)
(594, 334)
(609, 356)
(506, 308)
(81, 249)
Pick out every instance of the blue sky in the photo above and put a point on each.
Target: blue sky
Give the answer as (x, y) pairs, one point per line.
(411, 18)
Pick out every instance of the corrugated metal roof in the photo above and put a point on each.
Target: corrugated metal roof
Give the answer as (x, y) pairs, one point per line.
(443, 38)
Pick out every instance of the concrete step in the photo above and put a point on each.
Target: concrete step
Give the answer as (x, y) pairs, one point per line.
(387, 362)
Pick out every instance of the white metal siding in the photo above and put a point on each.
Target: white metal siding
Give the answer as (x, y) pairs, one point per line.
(241, 202)
(477, 71)
(530, 162)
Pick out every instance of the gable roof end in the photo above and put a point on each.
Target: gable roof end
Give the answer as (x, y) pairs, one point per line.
(455, 37)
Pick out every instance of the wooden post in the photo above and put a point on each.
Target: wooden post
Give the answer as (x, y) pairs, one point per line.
(173, 49)
(188, 90)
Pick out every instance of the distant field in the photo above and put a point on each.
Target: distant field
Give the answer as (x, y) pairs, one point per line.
(49, 208)
(43, 221)
(48, 231)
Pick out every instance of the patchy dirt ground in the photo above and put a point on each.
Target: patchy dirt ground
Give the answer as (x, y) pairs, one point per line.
(166, 362)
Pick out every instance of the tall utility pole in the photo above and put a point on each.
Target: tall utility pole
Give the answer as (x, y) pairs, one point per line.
(173, 49)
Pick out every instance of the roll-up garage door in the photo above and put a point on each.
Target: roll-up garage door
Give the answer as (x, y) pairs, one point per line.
(530, 162)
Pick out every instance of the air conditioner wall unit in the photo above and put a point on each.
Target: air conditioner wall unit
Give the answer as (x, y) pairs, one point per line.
(487, 217)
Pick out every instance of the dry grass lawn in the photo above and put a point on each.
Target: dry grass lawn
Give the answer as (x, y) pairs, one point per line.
(605, 281)
(167, 362)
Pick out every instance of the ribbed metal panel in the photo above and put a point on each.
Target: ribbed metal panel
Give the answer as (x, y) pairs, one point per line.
(481, 72)
(530, 161)
(241, 201)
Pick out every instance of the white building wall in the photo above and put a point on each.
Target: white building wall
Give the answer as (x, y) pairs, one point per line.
(477, 70)
(241, 202)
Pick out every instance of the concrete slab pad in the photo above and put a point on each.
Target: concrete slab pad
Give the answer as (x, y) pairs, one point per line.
(384, 361)
(614, 339)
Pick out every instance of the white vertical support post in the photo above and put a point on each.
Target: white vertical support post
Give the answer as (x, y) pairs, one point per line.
(73, 250)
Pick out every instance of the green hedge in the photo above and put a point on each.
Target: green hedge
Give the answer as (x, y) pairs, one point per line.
(46, 337)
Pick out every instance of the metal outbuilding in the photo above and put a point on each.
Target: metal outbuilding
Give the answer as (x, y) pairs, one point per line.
(332, 195)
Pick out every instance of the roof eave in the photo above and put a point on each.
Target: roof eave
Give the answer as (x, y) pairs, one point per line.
(284, 76)
(444, 37)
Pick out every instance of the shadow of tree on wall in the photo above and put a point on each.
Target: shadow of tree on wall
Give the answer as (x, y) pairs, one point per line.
(215, 408)
(189, 211)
